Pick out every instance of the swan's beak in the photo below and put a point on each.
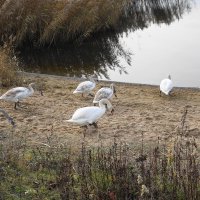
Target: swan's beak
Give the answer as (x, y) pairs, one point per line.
(112, 111)
(114, 91)
(11, 122)
(41, 92)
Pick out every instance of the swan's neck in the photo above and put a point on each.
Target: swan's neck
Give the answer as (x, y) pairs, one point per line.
(112, 87)
(91, 79)
(30, 88)
(102, 106)
(5, 114)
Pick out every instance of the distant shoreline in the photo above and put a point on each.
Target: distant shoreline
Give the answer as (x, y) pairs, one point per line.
(105, 81)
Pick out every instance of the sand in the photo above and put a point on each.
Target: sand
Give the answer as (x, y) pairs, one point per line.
(139, 110)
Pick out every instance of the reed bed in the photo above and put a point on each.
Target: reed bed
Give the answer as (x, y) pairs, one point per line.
(52, 22)
(9, 67)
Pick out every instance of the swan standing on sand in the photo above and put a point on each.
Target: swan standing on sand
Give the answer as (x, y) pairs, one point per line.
(166, 86)
(90, 115)
(10, 120)
(104, 93)
(85, 87)
(17, 94)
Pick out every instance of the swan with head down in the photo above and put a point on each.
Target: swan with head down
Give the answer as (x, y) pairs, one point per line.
(90, 115)
(85, 87)
(166, 86)
(17, 94)
(105, 93)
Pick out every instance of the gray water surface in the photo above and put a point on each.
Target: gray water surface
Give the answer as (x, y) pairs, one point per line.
(165, 49)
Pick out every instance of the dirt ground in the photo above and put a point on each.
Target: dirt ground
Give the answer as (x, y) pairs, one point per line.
(138, 110)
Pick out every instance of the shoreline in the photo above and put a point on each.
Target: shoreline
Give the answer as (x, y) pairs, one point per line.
(106, 81)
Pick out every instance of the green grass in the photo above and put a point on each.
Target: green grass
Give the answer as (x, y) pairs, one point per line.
(168, 171)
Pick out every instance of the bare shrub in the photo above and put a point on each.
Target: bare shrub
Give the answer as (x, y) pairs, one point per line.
(8, 68)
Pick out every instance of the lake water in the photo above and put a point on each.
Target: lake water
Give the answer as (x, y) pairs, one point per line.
(165, 49)
(156, 50)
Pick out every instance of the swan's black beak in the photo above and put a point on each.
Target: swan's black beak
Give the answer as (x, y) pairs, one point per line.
(11, 122)
(41, 92)
(114, 91)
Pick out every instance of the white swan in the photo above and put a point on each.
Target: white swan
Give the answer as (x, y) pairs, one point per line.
(90, 115)
(166, 86)
(104, 93)
(85, 87)
(10, 120)
(17, 94)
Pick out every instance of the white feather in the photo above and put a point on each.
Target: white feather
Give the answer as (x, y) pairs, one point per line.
(85, 87)
(166, 86)
(88, 115)
(104, 93)
(18, 93)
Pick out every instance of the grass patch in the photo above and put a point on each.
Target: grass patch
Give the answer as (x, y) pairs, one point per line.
(169, 170)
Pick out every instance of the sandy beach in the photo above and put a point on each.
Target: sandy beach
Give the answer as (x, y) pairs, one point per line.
(139, 110)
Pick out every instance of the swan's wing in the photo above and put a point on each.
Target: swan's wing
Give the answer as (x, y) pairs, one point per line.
(166, 86)
(103, 93)
(89, 114)
(85, 86)
(14, 93)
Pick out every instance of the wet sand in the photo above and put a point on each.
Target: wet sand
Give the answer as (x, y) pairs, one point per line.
(139, 110)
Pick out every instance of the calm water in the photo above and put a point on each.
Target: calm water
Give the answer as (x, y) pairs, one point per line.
(165, 49)
(146, 52)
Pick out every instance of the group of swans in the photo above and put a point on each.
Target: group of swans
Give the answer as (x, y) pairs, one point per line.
(83, 116)
(91, 114)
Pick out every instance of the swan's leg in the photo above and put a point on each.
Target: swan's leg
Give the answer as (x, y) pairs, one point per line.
(16, 103)
(160, 93)
(89, 94)
(95, 125)
(84, 130)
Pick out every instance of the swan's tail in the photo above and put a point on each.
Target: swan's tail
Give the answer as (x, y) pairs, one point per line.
(69, 120)
(76, 91)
